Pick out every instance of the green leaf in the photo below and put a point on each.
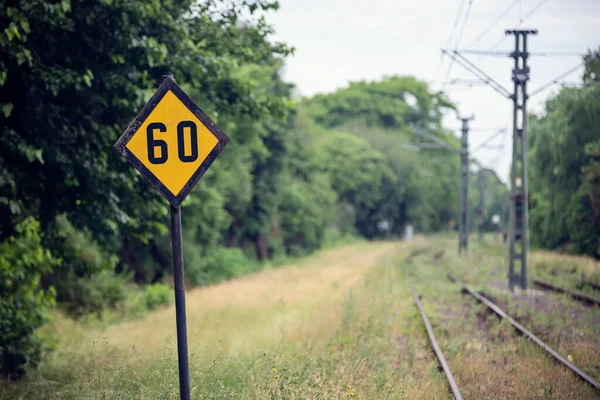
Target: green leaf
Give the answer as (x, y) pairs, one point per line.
(38, 156)
(66, 5)
(15, 207)
(25, 25)
(7, 109)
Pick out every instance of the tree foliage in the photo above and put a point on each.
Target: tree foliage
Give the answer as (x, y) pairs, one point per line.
(563, 169)
(382, 184)
(24, 302)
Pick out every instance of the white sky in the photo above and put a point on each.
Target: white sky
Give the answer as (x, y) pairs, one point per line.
(338, 41)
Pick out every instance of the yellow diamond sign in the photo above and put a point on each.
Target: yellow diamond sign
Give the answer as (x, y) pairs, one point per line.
(172, 142)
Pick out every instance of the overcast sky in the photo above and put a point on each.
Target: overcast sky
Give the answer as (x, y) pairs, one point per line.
(338, 41)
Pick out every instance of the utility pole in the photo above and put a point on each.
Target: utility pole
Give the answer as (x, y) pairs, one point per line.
(518, 234)
(481, 208)
(519, 214)
(463, 217)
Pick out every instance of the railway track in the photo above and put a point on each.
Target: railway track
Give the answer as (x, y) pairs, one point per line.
(574, 295)
(436, 347)
(498, 311)
(580, 282)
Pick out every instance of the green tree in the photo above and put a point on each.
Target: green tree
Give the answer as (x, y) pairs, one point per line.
(562, 168)
(65, 105)
(420, 188)
(24, 302)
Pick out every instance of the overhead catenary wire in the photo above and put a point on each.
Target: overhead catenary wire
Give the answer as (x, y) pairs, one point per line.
(449, 41)
(529, 14)
(556, 54)
(564, 75)
(494, 136)
(593, 83)
(500, 53)
(432, 137)
(457, 41)
(489, 28)
(462, 30)
(468, 82)
(462, 61)
(496, 160)
(487, 79)
(419, 146)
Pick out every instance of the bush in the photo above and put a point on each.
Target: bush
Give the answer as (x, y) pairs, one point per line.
(24, 302)
(92, 294)
(305, 213)
(85, 282)
(220, 264)
(157, 295)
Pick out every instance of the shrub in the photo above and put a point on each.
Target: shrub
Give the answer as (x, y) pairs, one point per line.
(24, 302)
(220, 264)
(157, 295)
(305, 213)
(92, 294)
(85, 282)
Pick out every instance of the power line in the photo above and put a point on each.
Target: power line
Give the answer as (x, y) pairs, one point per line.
(420, 146)
(593, 83)
(468, 65)
(557, 54)
(564, 75)
(480, 129)
(462, 30)
(456, 20)
(457, 42)
(494, 136)
(432, 137)
(520, 10)
(508, 53)
(449, 41)
(496, 161)
(498, 19)
(482, 53)
(529, 14)
(458, 89)
(488, 79)
(465, 82)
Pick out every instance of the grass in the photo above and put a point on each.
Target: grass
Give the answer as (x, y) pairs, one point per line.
(487, 357)
(321, 328)
(339, 324)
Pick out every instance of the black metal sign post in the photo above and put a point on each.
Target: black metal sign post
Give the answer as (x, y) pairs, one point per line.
(172, 142)
(179, 284)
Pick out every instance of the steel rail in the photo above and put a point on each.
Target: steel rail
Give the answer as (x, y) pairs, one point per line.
(434, 343)
(580, 282)
(580, 374)
(575, 295)
(593, 285)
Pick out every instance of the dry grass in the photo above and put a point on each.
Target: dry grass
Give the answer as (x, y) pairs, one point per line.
(257, 311)
(337, 325)
(563, 263)
(319, 329)
(488, 359)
